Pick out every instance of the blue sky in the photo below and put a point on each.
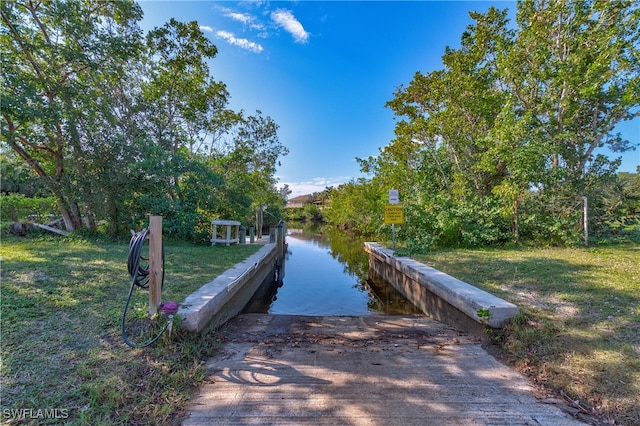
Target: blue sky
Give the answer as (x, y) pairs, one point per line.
(323, 70)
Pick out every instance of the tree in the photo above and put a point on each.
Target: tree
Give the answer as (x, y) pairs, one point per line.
(504, 138)
(53, 53)
(573, 72)
(442, 151)
(249, 164)
(187, 107)
(356, 206)
(17, 177)
(621, 200)
(451, 111)
(116, 127)
(285, 191)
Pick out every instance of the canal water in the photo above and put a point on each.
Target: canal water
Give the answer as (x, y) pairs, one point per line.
(326, 273)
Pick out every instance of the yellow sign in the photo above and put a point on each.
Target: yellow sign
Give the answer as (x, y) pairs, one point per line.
(393, 214)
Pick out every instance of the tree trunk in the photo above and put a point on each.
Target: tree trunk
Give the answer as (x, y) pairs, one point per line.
(76, 216)
(66, 216)
(89, 218)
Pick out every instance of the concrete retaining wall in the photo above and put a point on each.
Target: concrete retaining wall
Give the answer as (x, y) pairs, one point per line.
(223, 298)
(437, 294)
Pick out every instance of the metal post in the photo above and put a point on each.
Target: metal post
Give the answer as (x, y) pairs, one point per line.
(155, 263)
(586, 221)
(393, 236)
(252, 233)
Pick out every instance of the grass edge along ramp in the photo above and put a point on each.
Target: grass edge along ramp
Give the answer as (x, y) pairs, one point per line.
(63, 354)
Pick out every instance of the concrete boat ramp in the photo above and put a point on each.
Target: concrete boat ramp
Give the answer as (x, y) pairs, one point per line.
(369, 370)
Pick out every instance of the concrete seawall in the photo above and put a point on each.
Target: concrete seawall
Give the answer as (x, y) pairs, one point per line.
(437, 294)
(223, 298)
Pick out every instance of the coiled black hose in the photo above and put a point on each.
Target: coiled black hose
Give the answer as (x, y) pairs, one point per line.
(140, 278)
(139, 274)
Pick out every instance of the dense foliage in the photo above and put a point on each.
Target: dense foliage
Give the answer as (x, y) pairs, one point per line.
(308, 208)
(503, 143)
(117, 124)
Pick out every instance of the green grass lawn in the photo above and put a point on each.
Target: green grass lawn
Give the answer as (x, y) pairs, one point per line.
(579, 331)
(62, 302)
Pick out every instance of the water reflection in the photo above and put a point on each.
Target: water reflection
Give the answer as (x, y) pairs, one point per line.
(326, 273)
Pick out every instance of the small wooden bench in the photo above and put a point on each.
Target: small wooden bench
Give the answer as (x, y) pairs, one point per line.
(225, 232)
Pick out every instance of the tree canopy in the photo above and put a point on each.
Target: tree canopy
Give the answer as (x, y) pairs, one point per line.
(504, 141)
(118, 124)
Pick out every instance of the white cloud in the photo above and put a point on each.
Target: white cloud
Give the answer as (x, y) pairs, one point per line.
(242, 17)
(286, 20)
(317, 184)
(240, 42)
(206, 28)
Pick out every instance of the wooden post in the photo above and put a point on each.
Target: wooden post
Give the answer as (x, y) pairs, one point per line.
(228, 234)
(259, 220)
(214, 234)
(242, 239)
(155, 263)
(280, 238)
(281, 248)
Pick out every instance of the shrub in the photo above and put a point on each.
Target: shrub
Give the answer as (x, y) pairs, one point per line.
(17, 207)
